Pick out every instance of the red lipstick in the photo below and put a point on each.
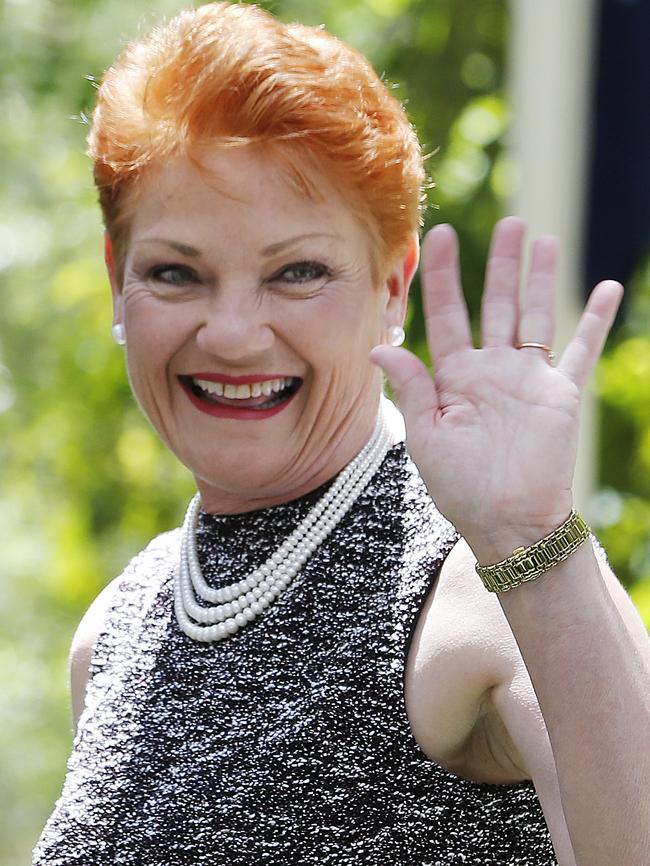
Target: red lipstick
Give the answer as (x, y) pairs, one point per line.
(232, 410)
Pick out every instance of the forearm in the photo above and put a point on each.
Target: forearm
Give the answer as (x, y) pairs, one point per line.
(592, 682)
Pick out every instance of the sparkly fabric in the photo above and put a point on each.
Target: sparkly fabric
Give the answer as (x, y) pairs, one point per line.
(288, 743)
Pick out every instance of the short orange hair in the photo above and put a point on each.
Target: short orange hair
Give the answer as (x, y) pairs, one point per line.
(231, 74)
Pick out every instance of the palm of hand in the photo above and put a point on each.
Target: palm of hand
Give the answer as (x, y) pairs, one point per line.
(494, 433)
(489, 438)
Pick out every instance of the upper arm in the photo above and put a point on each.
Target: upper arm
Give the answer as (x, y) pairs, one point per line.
(83, 645)
(522, 739)
(455, 656)
(500, 713)
(510, 734)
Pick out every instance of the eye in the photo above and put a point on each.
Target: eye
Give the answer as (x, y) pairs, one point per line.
(172, 275)
(303, 272)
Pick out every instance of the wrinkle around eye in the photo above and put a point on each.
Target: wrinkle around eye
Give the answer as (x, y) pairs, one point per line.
(139, 290)
(298, 291)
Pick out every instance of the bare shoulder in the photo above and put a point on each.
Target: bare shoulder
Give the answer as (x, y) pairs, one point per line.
(83, 645)
(462, 649)
(497, 683)
(463, 615)
(472, 681)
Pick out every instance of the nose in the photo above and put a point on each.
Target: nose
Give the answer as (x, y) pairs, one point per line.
(234, 326)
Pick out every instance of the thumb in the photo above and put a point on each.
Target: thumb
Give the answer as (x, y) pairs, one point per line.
(412, 384)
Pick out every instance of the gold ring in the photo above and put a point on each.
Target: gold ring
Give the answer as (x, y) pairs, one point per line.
(547, 349)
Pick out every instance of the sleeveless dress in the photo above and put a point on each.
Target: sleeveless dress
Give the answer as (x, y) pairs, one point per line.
(289, 742)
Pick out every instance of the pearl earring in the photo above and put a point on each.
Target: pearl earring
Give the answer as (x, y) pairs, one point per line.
(396, 335)
(119, 335)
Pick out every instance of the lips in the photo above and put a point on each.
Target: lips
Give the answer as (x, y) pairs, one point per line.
(242, 397)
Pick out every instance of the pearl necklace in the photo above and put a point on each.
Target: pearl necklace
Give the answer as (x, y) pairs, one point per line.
(240, 603)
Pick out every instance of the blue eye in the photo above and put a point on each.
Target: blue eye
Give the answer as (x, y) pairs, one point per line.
(304, 272)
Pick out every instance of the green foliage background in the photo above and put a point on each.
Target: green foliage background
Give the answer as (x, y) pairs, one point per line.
(84, 482)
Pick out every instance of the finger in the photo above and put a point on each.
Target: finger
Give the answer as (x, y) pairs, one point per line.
(500, 304)
(412, 384)
(581, 355)
(445, 311)
(537, 322)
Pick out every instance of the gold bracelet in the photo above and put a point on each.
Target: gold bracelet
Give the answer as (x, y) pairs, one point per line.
(527, 563)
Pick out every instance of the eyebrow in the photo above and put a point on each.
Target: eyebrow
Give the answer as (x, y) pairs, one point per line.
(271, 250)
(184, 249)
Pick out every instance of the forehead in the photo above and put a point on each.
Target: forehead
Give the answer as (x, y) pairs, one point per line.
(239, 189)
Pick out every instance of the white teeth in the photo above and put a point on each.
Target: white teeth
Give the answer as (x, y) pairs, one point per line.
(243, 392)
(211, 387)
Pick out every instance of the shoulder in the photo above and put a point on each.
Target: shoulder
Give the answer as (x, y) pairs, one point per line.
(136, 576)
(468, 610)
(83, 644)
(462, 648)
(465, 651)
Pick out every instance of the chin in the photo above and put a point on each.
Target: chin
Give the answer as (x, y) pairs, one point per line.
(238, 477)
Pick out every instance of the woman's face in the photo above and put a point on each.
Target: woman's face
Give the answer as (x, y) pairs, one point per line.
(249, 312)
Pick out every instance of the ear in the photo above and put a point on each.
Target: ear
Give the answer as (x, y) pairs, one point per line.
(398, 283)
(116, 288)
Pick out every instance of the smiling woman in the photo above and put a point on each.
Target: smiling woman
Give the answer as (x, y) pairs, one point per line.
(259, 289)
(310, 671)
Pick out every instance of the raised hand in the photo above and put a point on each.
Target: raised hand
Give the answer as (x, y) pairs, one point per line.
(494, 433)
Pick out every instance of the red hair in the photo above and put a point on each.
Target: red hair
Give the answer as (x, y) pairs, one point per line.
(226, 75)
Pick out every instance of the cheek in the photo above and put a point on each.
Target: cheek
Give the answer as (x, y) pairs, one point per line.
(336, 340)
(356, 330)
(155, 330)
(148, 317)
(142, 308)
(349, 321)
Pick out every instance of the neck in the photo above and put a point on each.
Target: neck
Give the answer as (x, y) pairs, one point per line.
(334, 458)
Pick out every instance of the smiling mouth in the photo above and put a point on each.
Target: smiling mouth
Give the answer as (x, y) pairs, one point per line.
(259, 396)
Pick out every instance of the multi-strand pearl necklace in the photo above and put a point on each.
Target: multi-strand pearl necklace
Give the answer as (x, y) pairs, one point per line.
(238, 604)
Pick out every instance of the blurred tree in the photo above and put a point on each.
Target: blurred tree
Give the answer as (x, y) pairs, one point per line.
(620, 511)
(85, 483)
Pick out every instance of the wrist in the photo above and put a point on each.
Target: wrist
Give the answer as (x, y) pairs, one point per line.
(500, 540)
(528, 562)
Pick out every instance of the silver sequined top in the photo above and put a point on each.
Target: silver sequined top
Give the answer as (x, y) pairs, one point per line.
(289, 742)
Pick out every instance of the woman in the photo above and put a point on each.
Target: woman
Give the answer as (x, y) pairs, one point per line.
(312, 670)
